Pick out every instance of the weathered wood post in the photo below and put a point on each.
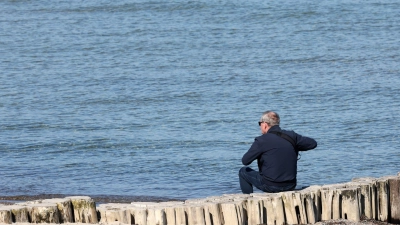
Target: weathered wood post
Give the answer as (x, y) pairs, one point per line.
(394, 199)
(170, 211)
(326, 203)
(238, 204)
(233, 213)
(20, 214)
(5, 215)
(114, 212)
(312, 203)
(330, 202)
(274, 210)
(84, 209)
(242, 212)
(349, 203)
(255, 210)
(367, 196)
(36, 212)
(139, 215)
(44, 213)
(170, 215)
(195, 213)
(64, 208)
(102, 213)
(181, 215)
(382, 198)
(294, 208)
(156, 216)
(124, 215)
(212, 213)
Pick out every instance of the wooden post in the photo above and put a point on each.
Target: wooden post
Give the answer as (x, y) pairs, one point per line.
(5, 215)
(195, 214)
(330, 201)
(312, 203)
(229, 213)
(274, 210)
(20, 213)
(326, 203)
(367, 196)
(139, 215)
(181, 215)
(170, 215)
(294, 207)
(241, 209)
(156, 216)
(64, 208)
(315, 192)
(289, 206)
(114, 212)
(336, 205)
(102, 213)
(233, 213)
(349, 201)
(84, 209)
(382, 199)
(255, 212)
(170, 212)
(394, 189)
(44, 213)
(212, 213)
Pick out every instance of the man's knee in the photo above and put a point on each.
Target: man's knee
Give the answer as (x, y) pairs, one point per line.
(243, 170)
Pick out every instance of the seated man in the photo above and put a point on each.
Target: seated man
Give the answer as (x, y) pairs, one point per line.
(276, 151)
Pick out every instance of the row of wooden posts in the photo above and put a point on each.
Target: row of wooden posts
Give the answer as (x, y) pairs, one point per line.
(372, 198)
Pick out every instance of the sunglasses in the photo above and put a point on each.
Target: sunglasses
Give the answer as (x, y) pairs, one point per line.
(259, 123)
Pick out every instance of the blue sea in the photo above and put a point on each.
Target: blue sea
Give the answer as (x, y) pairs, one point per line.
(161, 99)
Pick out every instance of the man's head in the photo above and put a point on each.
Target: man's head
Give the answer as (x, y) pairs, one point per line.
(267, 120)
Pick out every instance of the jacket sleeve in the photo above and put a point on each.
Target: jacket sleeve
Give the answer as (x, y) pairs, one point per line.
(252, 154)
(305, 143)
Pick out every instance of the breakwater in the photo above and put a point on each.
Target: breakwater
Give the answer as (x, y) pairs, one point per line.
(372, 198)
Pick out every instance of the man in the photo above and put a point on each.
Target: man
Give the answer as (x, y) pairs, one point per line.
(276, 151)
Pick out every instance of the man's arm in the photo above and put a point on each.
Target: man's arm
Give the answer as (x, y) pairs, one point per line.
(252, 154)
(305, 143)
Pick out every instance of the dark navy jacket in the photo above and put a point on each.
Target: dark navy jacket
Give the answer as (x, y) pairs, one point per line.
(276, 157)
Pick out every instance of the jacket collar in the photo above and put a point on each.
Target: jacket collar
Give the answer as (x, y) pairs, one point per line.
(274, 128)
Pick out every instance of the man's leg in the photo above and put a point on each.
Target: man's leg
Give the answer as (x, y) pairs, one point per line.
(247, 178)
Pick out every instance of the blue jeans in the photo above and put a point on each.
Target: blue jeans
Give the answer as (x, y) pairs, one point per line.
(249, 178)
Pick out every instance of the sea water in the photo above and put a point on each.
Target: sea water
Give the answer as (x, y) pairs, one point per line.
(162, 98)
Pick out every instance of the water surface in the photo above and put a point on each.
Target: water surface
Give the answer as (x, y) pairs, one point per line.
(162, 98)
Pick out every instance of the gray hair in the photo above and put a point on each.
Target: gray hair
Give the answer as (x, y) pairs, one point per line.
(271, 118)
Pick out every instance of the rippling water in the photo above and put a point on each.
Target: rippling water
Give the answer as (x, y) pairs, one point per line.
(162, 98)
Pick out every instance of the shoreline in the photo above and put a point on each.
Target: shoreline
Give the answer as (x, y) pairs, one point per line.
(99, 199)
